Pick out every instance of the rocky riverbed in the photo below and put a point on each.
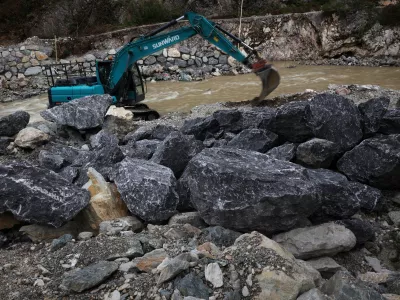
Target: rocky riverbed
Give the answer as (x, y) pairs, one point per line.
(297, 197)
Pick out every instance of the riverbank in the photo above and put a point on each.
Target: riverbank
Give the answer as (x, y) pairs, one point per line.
(225, 217)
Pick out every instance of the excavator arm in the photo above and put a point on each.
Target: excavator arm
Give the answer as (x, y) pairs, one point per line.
(199, 25)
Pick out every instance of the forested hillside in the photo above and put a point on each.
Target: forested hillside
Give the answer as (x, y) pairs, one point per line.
(24, 18)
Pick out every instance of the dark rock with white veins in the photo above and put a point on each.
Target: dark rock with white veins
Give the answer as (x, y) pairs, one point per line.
(336, 119)
(371, 199)
(12, 124)
(143, 149)
(148, 189)
(284, 152)
(83, 113)
(254, 139)
(338, 198)
(158, 132)
(390, 123)
(246, 190)
(37, 195)
(290, 122)
(317, 153)
(372, 113)
(176, 151)
(200, 127)
(375, 161)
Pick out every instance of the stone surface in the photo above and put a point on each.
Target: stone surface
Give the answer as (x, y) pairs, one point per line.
(370, 199)
(86, 235)
(214, 275)
(114, 227)
(57, 244)
(192, 218)
(200, 127)
(150, 260)
(143, 149)
(31, 138)
(38, 195)
(91, 276)
(375, 161)
(313, 294)
(105, 201)
(336, 119)
(84, 113)
(148, 189)
(14, 123)
(168, 156)
(390, 123)
(317, 153)
(342, 286)
(326, 239)
(192, 285)
(220, 236)
(51, 161)
(327, 266)
(363, 230)
(338, 199)
(31, 71)
(39, 233)
(395, 217)
(172, 269)
(254, 139)
(290, 122)
(4, 143)
(372, 113)
(246, 190)
(284, 152)
(158, 132)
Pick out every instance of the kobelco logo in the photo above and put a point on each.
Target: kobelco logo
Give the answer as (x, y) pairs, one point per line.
(166, 41)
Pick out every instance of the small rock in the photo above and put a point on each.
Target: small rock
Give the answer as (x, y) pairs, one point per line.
(317, 153)
(192, 218)
(395, 217)
(31, 138)
(245, 291)
(255, 140)
(14, 123)
(374, 263)
(313, 294)
(88, 277)
(173, 268)
(39, 282)
(214, 275)
(316, 241)
(327, 266)
(83, 236)
(61, 242)
(150, 260)
(284, 152)
(192, 285)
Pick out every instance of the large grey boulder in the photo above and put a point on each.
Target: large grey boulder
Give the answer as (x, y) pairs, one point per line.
(372, 113)
(176, 151)
(342, 286)
(336, 119)
(158, 132)
(284, 152)
(84, 113)
(247, 190)
(317, 153)
(375, 161)
(254, 139)
(290, 122)
(83, 279)
(390, 123)
(37, 195)
(338, 198)
(323, 240)
(143, 149)
(200, 127)
(148, 189)
(12, 124)
(229, 120)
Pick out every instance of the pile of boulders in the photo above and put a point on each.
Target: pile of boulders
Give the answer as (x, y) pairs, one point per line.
(247, 193)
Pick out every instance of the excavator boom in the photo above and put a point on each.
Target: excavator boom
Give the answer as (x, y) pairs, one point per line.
(199, 25)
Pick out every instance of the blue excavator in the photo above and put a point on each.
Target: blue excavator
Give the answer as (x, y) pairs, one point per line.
(121, 77)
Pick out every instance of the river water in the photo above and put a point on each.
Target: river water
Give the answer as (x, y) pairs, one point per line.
(182, 96)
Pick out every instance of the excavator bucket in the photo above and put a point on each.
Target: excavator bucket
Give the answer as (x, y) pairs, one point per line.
(270, 79)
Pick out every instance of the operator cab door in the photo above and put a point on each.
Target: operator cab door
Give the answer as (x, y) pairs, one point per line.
(135, 87)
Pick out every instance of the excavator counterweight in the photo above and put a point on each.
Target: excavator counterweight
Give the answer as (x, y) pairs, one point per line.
(121, 77)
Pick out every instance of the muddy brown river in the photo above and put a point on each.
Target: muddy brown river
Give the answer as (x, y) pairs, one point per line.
(182, 96)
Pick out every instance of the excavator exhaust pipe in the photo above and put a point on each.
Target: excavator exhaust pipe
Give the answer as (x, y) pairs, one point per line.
(270, 79)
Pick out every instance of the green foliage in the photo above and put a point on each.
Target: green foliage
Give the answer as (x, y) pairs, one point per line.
(390, 15)
(151, 11)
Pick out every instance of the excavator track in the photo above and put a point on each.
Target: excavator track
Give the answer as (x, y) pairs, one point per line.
(143, 112)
